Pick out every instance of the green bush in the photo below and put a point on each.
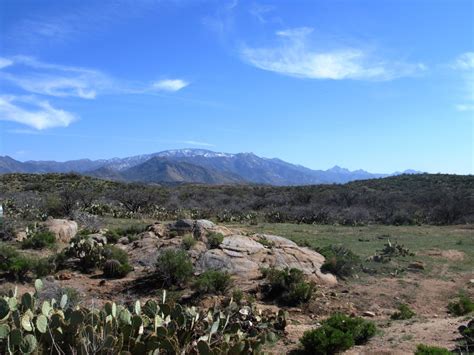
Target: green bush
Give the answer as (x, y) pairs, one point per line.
(113, 252)
(288, 287)
(464, 305)
(404, 312)
(173, 267)
(39, 240)
(213, 281)
(214, 240)
(112, 236)
(339, 261)
(238, 296)
(188, 242)
(337, 334)
(422, 349)
(18, 265)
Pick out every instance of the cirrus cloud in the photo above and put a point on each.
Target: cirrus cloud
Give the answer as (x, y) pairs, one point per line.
(294, 55)
(38, 114)
(170, 85)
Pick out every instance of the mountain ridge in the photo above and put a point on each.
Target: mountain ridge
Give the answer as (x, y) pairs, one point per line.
(195, 166)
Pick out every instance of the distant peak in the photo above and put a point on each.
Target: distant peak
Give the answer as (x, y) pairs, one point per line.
(191, 152)
(338, 169)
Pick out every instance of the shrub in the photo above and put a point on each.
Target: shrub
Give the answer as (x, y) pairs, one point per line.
(112, 236)
(336, 334)
(238, 296)
(404, 312)
(113, 252)
(464, 305)
(18, 265)
(339, 261)
(213, 281)
(7, 229)
(42, 267)
(287, 286)
(14, 263)
(39, 240)
(188, 242)
(214, 240)
(467, 341)
(422, 349)
(173, 267)
(58, 260)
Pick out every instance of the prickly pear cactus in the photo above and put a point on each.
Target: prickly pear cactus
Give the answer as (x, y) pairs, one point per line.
(89, 252)
(28, 327)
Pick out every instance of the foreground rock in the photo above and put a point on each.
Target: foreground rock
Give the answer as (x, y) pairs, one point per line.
(240, 255)
(63, 229)
(245, 257)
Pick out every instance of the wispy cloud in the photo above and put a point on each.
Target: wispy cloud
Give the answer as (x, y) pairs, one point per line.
(464, 64)
(4, 62)
(39, 114)
(48, 26)
(260, 11)
(296, 56)
(55, 80)
(170, 85)
(60, 81)
(69, 81)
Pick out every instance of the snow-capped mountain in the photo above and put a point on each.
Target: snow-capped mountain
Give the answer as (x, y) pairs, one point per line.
(194, 165)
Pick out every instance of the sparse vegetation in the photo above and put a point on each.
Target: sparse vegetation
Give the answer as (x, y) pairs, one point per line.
(324, 216)
(399, 200)
(422, 349)
(336, 334)
(404, 312)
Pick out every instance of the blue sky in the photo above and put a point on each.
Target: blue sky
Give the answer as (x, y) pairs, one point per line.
(379, 85)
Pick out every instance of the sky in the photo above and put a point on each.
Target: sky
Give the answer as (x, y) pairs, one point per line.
(382, 85)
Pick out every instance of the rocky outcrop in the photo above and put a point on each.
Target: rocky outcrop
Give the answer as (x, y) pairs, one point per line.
(246, 256)
(240, 255)
(63, 229)
(182, 226)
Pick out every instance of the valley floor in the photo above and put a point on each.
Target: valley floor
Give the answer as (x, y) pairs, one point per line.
(446, 254)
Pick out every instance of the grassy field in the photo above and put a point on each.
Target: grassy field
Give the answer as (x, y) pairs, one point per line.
(366, 241)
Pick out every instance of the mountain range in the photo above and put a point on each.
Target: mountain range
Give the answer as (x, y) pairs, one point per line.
(194, 166)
